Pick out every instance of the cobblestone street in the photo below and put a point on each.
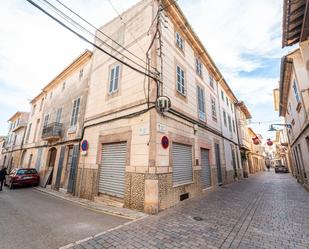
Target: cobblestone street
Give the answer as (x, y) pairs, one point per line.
(267, 210)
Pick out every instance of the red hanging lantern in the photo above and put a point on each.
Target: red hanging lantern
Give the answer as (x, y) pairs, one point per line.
(269, 142)
(256, 140)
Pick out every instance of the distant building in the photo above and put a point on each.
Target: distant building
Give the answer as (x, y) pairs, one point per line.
(243, 116)
(11, 153)
(256, 155)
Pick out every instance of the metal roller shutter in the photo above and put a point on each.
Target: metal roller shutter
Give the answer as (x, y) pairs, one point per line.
(112, 169)
(182, 164)
(206, 175)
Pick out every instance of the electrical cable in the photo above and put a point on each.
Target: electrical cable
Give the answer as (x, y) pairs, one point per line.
(100, 31)
(80, 27)
(90, 42)
(120, 17)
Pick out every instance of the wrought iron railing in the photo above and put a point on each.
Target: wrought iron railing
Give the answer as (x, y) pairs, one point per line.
(52, 130)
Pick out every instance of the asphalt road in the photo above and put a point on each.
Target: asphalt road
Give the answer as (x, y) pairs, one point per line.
(31, 219)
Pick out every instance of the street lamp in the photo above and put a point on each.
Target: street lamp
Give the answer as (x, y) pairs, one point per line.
(271, 128)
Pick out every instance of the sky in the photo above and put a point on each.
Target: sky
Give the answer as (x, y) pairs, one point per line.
(243, 38)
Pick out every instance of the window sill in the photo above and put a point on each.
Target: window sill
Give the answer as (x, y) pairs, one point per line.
(72, 129)
(180, 50)
(181, 96)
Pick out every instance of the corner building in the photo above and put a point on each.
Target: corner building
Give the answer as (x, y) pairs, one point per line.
(125, 161)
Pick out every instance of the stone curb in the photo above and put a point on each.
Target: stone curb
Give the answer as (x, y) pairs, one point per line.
(99, 234)
(96, 207)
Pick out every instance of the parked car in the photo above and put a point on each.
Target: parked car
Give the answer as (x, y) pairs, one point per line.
(281, 169)
(22, 177)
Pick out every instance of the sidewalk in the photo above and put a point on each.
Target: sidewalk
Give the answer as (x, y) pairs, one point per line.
(104, 208)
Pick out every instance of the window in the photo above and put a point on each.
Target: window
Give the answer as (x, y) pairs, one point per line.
(227, 102)
(41, 105)
(234, 128)
(230, 123)
(63, 86)
(179, 41)
(224, 118)
(211, 81)
(232, 109)
(213, 109)
(199, 67)
(180, 80)
(114, 79)
(222, 95)
(14, 141)
(201, 103)
(28, 134)
(81, 74)
(75, 112)
(58, 115)
(50, 95)
(33, 110)
(46, 118)
(296, 91)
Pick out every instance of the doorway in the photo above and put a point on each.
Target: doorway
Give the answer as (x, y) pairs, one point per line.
(51, 164)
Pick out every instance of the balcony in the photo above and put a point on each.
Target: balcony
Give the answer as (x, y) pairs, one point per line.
(52, 132)
(20, 124)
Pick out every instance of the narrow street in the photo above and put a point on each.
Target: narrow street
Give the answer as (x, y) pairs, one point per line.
(267, 210)
(30, 219)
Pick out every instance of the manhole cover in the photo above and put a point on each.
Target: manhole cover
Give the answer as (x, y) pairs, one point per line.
(198, 218)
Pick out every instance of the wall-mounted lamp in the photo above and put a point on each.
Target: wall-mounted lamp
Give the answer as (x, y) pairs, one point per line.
(271, 128)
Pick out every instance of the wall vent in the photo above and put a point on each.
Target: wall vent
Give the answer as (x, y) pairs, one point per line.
(184, 196)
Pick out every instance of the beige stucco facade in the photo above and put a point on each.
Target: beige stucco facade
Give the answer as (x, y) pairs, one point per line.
(128, 116)
(294, 87)
(256, 155)
(136, 154)
(243, 116)
(295, 108)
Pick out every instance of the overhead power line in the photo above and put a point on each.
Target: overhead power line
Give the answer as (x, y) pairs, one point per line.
(83, 29)
(92, 43)
(100, 31)
(121, 19)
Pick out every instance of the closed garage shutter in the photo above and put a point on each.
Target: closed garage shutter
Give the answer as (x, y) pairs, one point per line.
(112, 169)
(206, 175)
(182, 164)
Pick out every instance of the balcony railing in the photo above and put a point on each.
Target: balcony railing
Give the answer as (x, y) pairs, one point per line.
(52, 131)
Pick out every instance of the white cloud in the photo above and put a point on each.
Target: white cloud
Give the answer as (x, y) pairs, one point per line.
(34, 48)
(234, 29)
(239, 35)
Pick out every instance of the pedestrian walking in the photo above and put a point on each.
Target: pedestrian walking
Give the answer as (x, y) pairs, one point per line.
(268, 166)
(3, 173)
